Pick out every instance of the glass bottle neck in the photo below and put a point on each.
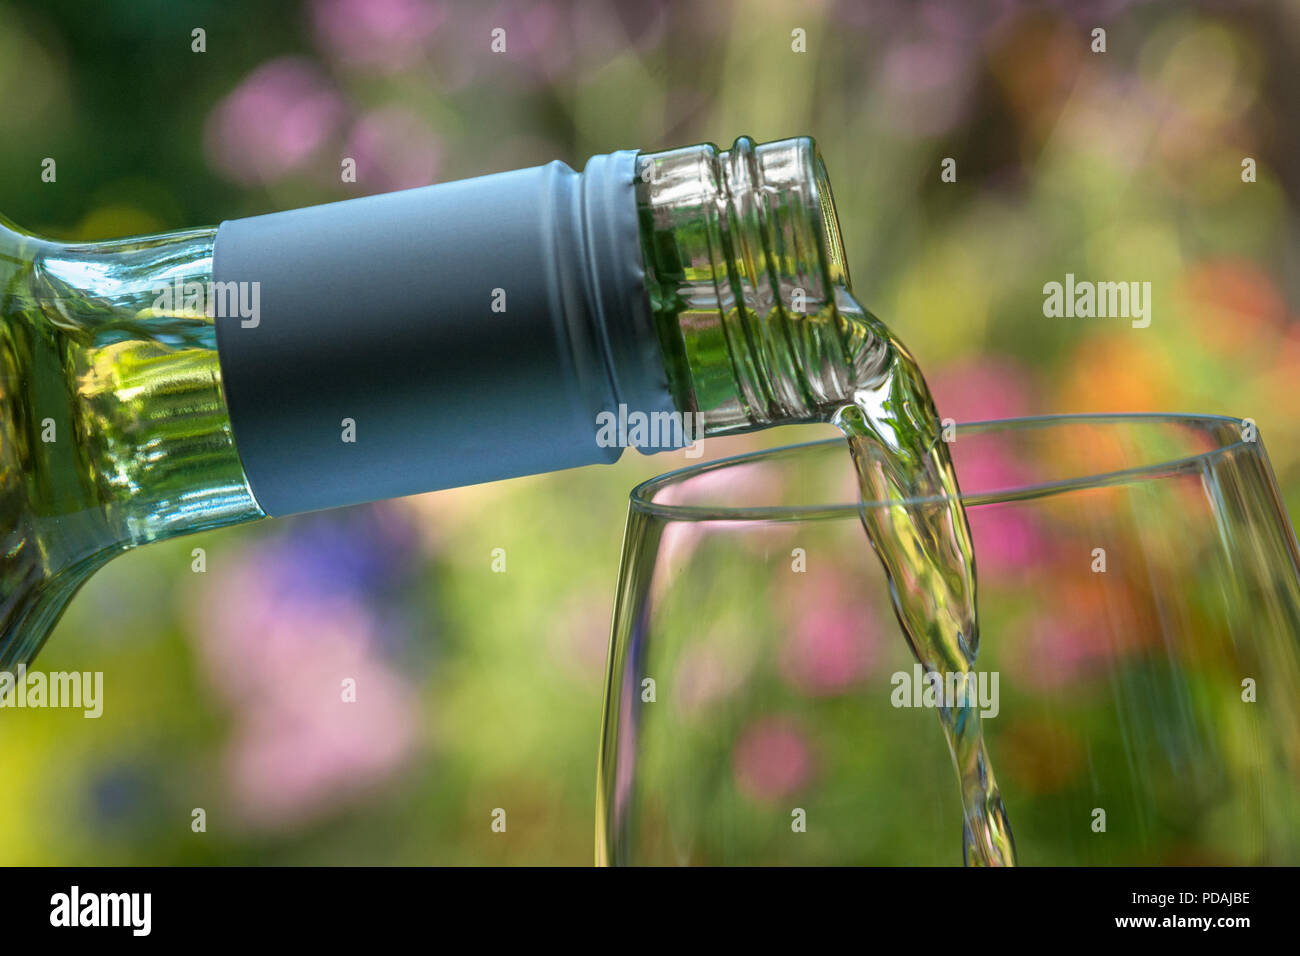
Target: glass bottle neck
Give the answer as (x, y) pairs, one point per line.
(747, 281)
(126, 425)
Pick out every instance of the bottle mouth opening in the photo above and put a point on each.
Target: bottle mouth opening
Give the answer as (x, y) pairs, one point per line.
(836, 264)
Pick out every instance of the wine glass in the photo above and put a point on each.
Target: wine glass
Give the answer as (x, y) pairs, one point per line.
(1139, 600)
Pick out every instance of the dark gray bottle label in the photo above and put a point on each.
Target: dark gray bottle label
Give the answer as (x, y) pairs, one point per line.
(437, 337)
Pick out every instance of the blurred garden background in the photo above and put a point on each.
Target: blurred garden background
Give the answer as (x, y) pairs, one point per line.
(481, 690)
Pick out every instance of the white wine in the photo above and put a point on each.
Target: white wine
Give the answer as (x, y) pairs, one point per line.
(923, 540)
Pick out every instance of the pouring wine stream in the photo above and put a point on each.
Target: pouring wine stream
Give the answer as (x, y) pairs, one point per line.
(922, 538)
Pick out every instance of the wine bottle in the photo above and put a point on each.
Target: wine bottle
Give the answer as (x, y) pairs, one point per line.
(403, 343)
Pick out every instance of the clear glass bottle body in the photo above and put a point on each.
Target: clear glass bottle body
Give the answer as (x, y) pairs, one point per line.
(113, 427)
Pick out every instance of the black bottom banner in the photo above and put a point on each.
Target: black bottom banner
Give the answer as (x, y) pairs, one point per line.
(302, 905)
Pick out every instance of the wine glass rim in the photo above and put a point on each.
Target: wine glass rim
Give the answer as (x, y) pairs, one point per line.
(642, 496)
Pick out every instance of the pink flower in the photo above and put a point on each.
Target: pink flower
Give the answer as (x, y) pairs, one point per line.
(930, 82)
(1063, 649)
(832, 634)
(1004, 535)
(755, 484)
(1005, 539)
(771, 759)
(305, 751)
(388, 34)
(987, 389)
(318, 715)
(1088, 626)
(394, 149)
(677, 544)
(579, 643)
(708, 674)
(536, 34)
(981, 389)
(273, 122)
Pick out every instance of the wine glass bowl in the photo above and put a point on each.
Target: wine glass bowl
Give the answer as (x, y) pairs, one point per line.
(1139, 602)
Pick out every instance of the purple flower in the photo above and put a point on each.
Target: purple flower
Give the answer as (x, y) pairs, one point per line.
(363, 552)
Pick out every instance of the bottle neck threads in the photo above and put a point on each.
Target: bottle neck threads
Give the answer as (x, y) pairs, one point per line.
(745, 273)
